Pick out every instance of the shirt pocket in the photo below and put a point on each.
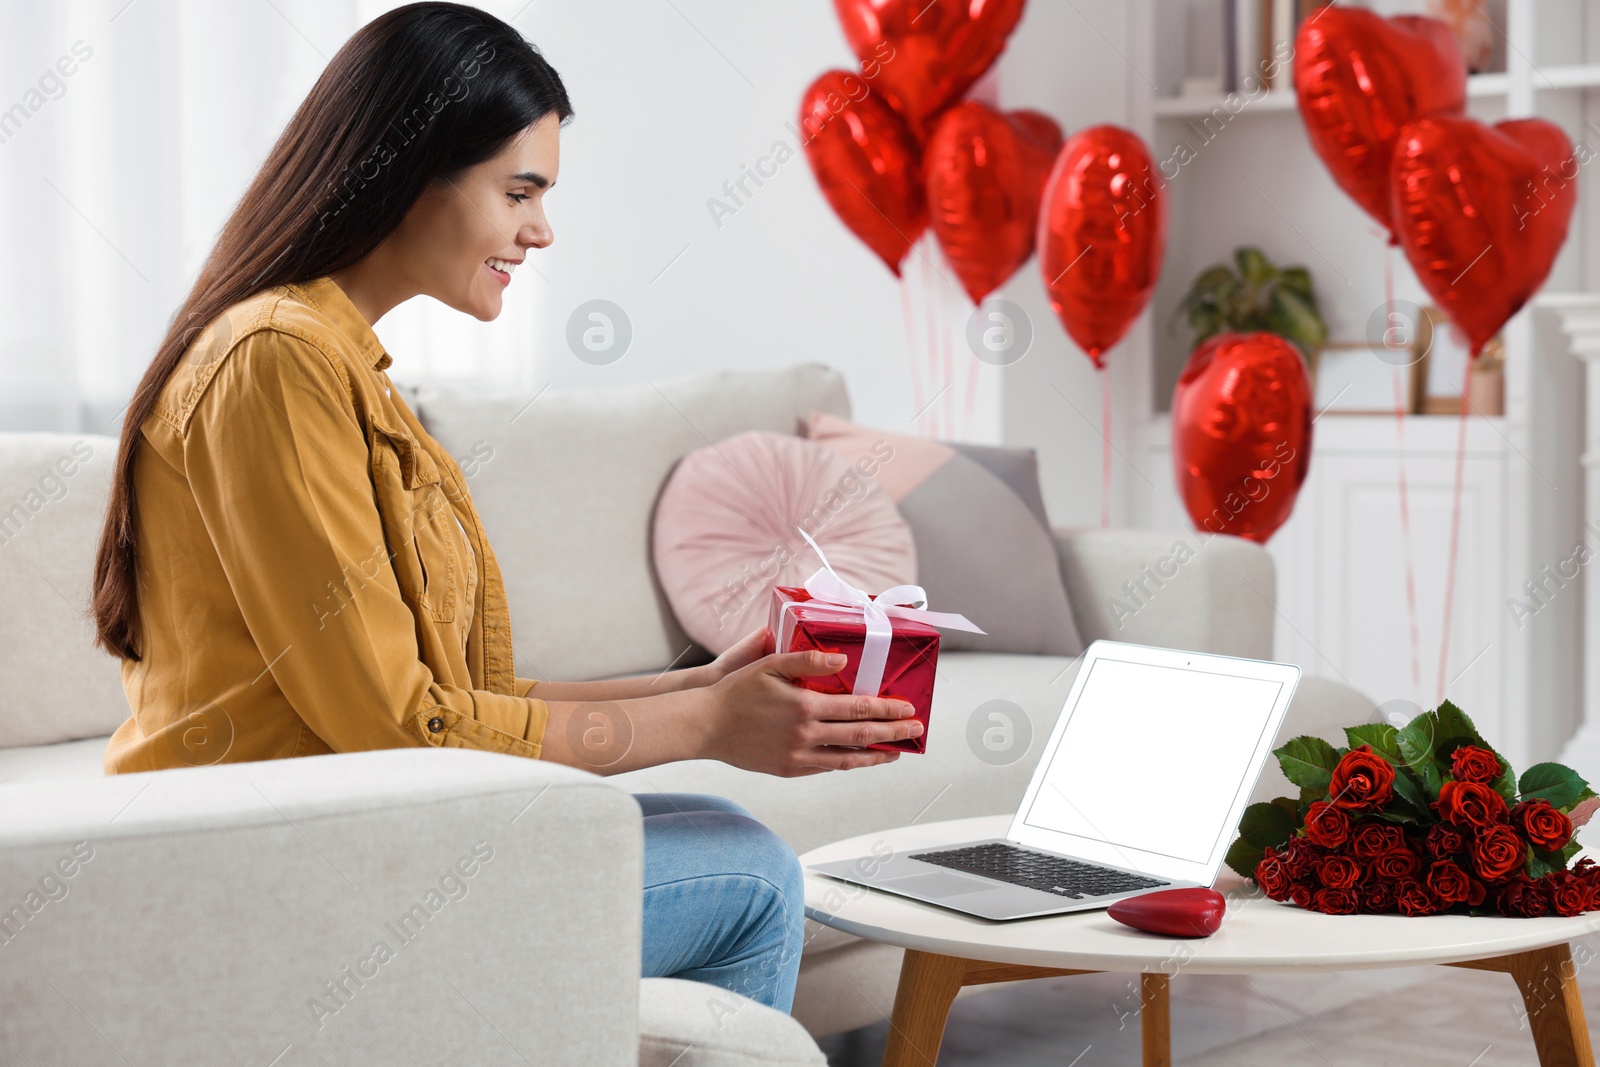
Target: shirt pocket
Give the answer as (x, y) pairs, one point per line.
(416, 513)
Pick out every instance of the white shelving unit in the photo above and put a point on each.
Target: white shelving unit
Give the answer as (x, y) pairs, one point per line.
(1341, 599)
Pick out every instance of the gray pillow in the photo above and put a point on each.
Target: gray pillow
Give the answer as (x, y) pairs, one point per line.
(984, 546)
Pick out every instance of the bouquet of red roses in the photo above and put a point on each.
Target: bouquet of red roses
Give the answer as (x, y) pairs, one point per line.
(1421, 819)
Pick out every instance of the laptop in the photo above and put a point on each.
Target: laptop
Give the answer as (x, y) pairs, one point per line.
(1140, 788)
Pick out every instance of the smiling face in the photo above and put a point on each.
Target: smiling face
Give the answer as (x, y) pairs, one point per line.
(462, 240)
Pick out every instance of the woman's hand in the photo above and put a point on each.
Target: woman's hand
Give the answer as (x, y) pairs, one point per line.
(761, 721)
(749, 648)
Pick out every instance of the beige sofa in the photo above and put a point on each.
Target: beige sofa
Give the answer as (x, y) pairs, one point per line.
(232, 913)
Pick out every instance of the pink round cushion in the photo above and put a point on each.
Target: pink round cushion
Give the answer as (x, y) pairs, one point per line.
(725, 531)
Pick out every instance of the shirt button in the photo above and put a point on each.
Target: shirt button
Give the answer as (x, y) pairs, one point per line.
(435, 724)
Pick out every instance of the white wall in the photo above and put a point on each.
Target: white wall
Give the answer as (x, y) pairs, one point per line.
(112, 195)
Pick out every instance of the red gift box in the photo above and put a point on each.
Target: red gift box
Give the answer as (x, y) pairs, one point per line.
(800, 623)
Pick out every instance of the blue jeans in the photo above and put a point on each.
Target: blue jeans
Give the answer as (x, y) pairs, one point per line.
(724, 902)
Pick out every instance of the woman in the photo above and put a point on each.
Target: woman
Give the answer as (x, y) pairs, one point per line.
(291, 565)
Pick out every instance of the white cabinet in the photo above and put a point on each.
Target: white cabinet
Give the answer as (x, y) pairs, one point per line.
(1342, 604)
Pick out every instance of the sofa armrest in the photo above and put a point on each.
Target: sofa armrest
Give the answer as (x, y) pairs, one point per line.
(405, 906)
(1171, 589)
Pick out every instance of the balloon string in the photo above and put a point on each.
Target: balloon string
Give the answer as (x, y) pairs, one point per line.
(1455, 531)
(1105, 450)
(947, 357)
(929, 362)
(1400, 407)
(911, 341)
(972, 384)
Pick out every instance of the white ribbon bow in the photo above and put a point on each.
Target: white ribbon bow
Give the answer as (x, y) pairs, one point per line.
(896, 602)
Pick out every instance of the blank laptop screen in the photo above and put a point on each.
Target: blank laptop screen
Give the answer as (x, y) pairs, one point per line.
(1152, 757)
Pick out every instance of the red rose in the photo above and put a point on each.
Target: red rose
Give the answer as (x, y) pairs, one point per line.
(1476, 892)
(1271, 877)
(1411, 897)
(1472, 803)
(1326, 825)
(1335, 901)
(1373, 838)
(1522, 898)
(1396, 863)
(1568, 894)
(1497, 852)
(1363, 780)
(1339, 872)
(1546, 827)
(1449, 882)
(1301, 858)
(1300, 893)
(1470, 763)
(1445, 841)
(1377, 896)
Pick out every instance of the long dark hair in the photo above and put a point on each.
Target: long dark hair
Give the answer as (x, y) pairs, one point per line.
(415, 96)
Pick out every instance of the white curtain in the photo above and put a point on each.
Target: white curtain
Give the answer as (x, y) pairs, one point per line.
(128, 130)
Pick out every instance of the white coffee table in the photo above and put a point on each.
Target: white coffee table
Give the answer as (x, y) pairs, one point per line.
(946, 950)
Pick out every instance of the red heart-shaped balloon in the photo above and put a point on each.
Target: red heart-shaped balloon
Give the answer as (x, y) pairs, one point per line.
(1482, 212)
(986, 172)
(1241, 433)
(867, 162)
(923, 54)
(1172, 912)
(1360, 77)
(1102, 233)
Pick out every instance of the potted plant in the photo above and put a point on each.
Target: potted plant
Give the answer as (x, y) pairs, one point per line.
(1254, 294)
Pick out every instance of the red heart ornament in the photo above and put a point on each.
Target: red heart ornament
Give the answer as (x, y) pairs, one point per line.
(923, 54)
(1359, 78)
(1172, 912)
(1241, 434)
(1482, 212)
(867, 163)
(986, 173)
(1102, 233)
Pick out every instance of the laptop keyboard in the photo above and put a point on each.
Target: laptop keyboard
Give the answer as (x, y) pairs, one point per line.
(1038, 870)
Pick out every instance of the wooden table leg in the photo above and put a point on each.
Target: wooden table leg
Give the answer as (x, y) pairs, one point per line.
(1156, 1020)
(1548, 982)
(928, 984)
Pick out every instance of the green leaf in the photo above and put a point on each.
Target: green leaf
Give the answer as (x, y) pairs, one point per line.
(1380, 735)
(1407, 789)
(1541, 863)
(1298, 281)
(1267, 824)
(1451, 723)
(1395, 814)
(1242, 858)
(1296, 320)
(1432, 780)
(1560, 785)
(1308, 762)
(1253, 263)
(1506, 782)
(1416, 740)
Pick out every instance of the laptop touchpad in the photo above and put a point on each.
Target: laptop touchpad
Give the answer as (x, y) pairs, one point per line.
(937, 884)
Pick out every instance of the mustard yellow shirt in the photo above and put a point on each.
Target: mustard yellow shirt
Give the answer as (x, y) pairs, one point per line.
(312, 574)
